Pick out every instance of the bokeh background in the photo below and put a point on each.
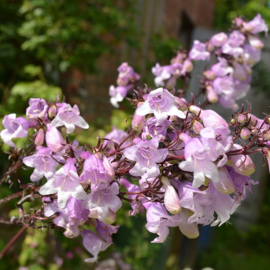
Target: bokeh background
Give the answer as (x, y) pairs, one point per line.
(74, 48)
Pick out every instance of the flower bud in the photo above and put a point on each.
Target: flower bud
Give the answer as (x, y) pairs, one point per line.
(187, 66)
(225, 184)
(138, 122)
(242, 163)
(171, 199)
(248, 27)
(209, 117)
(39, 140)
(197, 126)
(211, 95)
(219, 39)
(210, 46)
(52, 111)
(209, 75)
(110, 218)
(245, 133)
(54, 139)
(267, 120)
(241, 118)
(266, 135)
(255, 42)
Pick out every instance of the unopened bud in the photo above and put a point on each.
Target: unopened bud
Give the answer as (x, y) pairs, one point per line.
(248, 27)
(267, 120)
(255, 42)
(110, 218)
(219, 39)
(187, 66)
(245, 133)
(242, 163)
(197, 126)
(52, 111)
(211, 95)
(138, 122)
(210, 46)
(54, 139)
(171, 199)
(241, 118)
(266, 135)
(209, 75)
(225, 184)
(232, 121)
(39, 140)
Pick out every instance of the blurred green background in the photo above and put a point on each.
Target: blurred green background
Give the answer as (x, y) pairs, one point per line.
(73, 48)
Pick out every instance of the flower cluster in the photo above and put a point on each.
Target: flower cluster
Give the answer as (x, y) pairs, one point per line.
(180, 163)
(127, 79)
(229, 77)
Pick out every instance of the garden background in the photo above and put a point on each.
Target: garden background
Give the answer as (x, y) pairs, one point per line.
(74, 48)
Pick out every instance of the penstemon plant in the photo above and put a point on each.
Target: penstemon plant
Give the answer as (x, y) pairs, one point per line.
(181, 163)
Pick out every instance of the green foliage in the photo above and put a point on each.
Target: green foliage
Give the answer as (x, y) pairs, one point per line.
(66, 34)
(226, 10)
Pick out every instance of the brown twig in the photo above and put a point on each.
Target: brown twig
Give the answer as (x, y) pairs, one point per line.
(12, 241)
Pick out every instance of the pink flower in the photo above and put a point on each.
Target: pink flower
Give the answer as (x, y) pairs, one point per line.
(161, 103)
(69, 117)
(15, 128)
(146, 155)
(65, 183)
(199, 52)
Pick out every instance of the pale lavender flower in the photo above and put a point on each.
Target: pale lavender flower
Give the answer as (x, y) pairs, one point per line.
(69, 117)
(93, 244)
(65, 183)
(251, 55)
(106, 231)
(147, 155)
(118, 94)
(221, 68)
(43, 162)
(257, 25)
(140, 199)
(200, 157)
(70, 217)
(219, 39)
(199, 52)
(204, 204)
(163, 73)
(241, 183)
(161, 103)
(223, 85)
(104, 203)
(158, 221)
(233, 44)
(154, 129)
(14, 128)
(126, 75)
(95, 173)
(37, 108)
